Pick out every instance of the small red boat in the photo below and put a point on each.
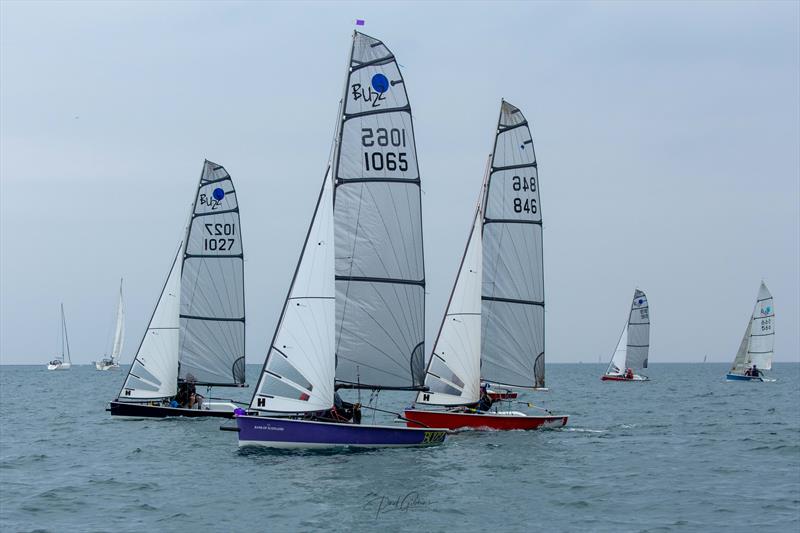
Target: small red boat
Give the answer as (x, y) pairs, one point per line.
(504, 395)
(498, 421)
(617, 377)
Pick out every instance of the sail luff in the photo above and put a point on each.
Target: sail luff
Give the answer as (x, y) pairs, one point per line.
(65, 337)
(380, 279)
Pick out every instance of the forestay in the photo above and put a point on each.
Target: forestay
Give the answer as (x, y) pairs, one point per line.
(212, 315)
(512, 333)
(758, 345)
(380, 280)
(298, 373)
(154, 371)
(453, 373)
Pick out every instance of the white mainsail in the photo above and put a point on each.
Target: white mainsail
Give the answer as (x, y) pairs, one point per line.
(154, 371)
(379, 264)
(212, 315)
(758, 344)
(634, 344)
(512, 336)
(298, 373)
(65, 355)
(119, 331)
(453, 373)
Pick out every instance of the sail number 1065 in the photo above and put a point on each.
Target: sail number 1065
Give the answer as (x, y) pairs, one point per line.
(384, 160)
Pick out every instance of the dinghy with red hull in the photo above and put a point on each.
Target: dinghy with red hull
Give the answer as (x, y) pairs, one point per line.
(196, 334)
(493, 328)
(633, 347)
(494, 421)
(355, 312)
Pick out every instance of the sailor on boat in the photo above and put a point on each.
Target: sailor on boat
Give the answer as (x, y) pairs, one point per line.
(753, 372)
(342, 411)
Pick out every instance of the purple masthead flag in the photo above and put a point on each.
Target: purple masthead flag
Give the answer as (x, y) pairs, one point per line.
(359, 22)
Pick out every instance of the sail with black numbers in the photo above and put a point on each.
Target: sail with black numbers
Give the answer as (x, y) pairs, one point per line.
(512, 325)
(758, 344)
(212, 317)
(196, 332)
(633, 346)
(380, 274)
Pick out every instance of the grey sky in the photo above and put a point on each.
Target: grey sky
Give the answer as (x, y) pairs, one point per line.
(667, 136)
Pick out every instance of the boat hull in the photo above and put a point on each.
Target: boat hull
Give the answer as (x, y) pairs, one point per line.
(269, 432)
(62, 366)
(741, 377)
(608, 377)
(491, 421)
(140, 410)
(102, 365)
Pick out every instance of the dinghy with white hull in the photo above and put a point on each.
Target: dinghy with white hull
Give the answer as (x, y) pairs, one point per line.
(758, 344)
(196, 335)
(63, 362)
(493, 329)
(355, 312)
(112, 363)
(633, 347)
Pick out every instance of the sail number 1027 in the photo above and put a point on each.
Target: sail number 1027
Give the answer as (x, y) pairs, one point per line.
(221, 237)
(522, 185)
(384, 160)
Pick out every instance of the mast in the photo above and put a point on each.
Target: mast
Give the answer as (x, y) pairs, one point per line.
(212, 312)
(64, 337)
(512, 337)
(380, 271)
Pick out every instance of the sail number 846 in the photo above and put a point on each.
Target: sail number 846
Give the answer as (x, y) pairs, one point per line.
(384, 160)
(524, 184)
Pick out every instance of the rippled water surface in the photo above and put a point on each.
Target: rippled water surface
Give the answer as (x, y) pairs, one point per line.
(684, 452)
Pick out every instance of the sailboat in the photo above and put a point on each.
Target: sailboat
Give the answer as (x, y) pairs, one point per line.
(493, 329)
(64, 361)
(112, 363)
(355, 313)
(195, 336)
(758, 344)
(633, 347)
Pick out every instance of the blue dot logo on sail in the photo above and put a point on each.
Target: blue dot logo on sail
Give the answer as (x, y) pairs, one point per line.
(641, 301)
(766, 310)
(218, 194)
(380, 83)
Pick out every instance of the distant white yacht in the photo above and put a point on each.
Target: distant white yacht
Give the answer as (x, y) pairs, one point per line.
(112, 363)
(65, 361)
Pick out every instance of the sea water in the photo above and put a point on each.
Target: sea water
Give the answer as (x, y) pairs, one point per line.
(686, 451)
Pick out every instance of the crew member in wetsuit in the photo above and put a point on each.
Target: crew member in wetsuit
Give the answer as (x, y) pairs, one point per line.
(486, 401)
(755, 372)
(629, 374)
(342, 411)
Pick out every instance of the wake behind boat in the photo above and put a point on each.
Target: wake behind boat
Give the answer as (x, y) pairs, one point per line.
(196, 334)
(493, 328)
(64, 362)
(355, 312)
(758, 344)
(112, 363)
(634, 344)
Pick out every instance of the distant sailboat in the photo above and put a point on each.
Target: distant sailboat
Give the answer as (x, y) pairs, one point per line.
(355, 312)
(112, 363)
(757, 347)
(64, 362)
(196, 333)
(493, 329)
(633, 347)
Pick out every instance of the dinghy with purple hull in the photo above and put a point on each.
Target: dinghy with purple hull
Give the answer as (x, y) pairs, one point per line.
(355, 312)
